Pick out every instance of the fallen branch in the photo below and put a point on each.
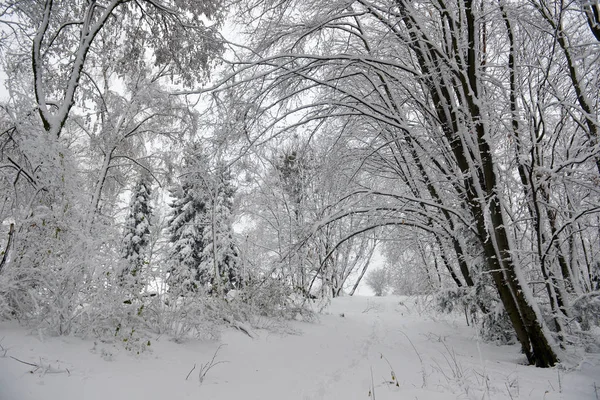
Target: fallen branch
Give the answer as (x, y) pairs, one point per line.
(24, 362)
(189, 373)
(46, 369)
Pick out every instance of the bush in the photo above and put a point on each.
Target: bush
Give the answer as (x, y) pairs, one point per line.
(586, 309)
(481, 308)
(378, 281)
(270, 297)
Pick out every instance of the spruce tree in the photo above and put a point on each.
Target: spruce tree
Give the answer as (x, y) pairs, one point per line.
(187, 224)
(220, 256)
(137, 233)
(186, 229)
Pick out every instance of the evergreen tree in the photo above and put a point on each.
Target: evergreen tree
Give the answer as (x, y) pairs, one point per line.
(186, 228)
(200, 229)
(219, 254)
(137, 232)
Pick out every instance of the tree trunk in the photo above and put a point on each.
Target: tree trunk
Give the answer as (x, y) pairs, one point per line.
(456, 101)
(4, 260)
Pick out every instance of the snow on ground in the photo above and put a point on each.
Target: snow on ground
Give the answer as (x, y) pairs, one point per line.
(351, 352)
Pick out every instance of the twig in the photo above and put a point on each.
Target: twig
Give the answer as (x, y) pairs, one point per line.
(394, 379)
(24, 362)
(370, 306)
(204, 368)
(3, 349)
(45, 368)
(372, 391)
(508, 390)
(420, 359)
(239, 326)
(455, 367)
(189, 373)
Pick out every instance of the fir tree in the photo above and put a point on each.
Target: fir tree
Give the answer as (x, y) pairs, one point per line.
(137, 232)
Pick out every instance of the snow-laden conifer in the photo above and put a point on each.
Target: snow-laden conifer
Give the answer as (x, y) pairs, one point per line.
(137, 232)
(220, 256)
(186, 228)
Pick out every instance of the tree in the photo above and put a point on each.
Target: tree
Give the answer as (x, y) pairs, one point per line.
(204, 255)
(412, 86)
(219, 254)
(295, 168)
(290, 188)
(128, 129)
(87, 86)
(137, 232)
(378, 281)
(177, 36)
(186, 233)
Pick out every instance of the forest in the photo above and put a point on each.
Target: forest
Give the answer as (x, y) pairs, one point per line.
(172, 166)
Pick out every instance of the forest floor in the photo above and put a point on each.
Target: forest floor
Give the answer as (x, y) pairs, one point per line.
(359, 348)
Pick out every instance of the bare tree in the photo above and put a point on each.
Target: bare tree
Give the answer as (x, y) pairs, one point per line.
(178, 37)
(413, 86)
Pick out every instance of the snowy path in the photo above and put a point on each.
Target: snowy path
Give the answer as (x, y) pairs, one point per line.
(331, 359)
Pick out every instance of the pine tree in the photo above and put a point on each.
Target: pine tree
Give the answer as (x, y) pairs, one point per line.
(137, 233)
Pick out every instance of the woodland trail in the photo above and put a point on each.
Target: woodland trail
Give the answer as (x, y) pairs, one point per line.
(360, 348)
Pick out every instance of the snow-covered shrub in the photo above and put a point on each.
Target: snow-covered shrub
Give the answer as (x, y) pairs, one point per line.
(378, 281)
(584, 328)
(495, 326)
(52, 270)
(131, 338)
(409, 279)
(5, 309)
(183, 318)
(58, 257)
(62, 279)
(480, 308)
(447, 300)
(272, 298)
(586, 309)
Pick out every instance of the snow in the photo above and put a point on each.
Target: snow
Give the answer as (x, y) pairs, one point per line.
(353, 347)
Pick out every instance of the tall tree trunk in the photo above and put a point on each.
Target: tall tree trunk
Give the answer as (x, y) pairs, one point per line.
(474, 158)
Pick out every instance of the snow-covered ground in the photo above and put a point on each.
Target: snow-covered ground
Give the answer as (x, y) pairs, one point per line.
(353, 351)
